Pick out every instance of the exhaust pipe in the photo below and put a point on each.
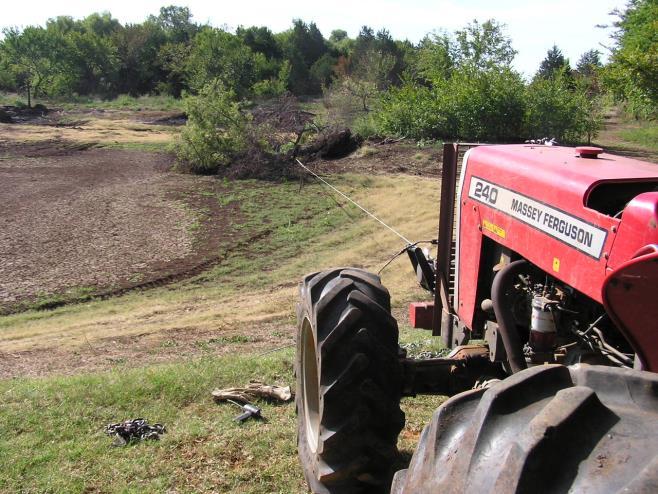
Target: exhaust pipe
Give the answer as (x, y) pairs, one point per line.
(502, 305)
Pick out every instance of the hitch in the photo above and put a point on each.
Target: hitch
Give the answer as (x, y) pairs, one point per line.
(458, 371)
(423, 267)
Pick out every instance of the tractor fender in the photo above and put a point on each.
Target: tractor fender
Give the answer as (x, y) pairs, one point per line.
(629, 298)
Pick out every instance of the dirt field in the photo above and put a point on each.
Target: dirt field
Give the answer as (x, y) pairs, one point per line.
(89, 221)
(89, 211)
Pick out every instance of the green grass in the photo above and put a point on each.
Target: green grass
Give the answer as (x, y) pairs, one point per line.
(12, 99)
(121, 102)
(279, 218)
(126, 102)
(644, 135)
(60, 422)
(49, 300)
(150, 147)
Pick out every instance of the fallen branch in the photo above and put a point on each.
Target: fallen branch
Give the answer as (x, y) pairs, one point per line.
(253, 391)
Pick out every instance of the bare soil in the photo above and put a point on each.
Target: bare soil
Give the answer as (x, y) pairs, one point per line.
(91, 221)
(389, 157)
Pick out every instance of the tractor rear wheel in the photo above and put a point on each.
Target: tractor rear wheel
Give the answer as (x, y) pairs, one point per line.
(349, 382)
(545, 429)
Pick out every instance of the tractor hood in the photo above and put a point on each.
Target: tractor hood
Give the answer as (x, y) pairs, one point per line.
(560, 176)
(573, 216)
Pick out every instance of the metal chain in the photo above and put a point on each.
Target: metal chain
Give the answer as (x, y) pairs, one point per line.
(135, 429)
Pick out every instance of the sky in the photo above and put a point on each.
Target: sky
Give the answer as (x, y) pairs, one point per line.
(533, 25)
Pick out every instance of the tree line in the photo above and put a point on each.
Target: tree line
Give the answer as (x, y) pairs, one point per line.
(459, 84)
(171, 54)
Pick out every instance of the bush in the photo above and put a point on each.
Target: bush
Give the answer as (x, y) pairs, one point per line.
(479, 105)
(555, 109)
(484, 105)
(269, 88)
(215, 129)
(411, 111)
(365, 126)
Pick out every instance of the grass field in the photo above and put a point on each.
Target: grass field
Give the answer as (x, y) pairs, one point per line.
(623, 135)
(53, 431)
(121, 102)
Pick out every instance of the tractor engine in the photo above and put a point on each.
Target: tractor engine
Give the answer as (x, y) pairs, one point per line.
(550, 247)
(559, 325)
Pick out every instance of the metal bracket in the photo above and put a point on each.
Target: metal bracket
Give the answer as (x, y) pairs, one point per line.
(455, 373)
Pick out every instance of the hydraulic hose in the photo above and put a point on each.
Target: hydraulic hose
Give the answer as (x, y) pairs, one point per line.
(502, 305)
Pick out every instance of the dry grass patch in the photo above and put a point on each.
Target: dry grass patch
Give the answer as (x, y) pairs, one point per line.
(260, 285)
(95, 130)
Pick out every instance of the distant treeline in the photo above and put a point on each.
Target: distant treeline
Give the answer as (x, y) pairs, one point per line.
(170, 53)
(459, 84)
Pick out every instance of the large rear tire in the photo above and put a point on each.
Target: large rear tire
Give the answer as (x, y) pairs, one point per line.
(547, 429)
(349, 382)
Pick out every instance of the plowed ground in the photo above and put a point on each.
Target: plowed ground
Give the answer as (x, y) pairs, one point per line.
(79, 222)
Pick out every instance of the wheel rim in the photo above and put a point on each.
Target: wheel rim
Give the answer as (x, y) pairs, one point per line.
(310, 386)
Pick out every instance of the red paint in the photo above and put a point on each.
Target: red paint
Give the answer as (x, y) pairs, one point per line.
(629, 297)
(588, 151)
(557, 177)
(420, 314)
(638, 227)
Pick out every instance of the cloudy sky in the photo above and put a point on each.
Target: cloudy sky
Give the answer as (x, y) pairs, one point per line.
(533, 25)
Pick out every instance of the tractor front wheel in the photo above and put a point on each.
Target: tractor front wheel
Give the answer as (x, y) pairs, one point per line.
(348, 382)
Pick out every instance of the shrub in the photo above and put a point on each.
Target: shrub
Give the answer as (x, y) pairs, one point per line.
(557, 110)
(365, 126)
(411, 111)
(269, 88)
(484, 105)
(215, 129)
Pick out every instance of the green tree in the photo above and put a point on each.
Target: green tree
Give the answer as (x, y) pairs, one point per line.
(260, 40)
(589, 63)
(92, 63)
(138, 46)
(632, 74)
(484, 46)
(553, 63)
(172, 60)
(588, 72)
(34, 57)
(101, 24)
(558, 110)
(436, 58)
(412, 111)
(215, 129)
(303, 46)
(322, 70)
(340, 43)
(217, 54)
(176, 22)
(484, 105)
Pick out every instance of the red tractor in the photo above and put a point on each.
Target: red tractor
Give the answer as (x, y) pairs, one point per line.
(546, 291)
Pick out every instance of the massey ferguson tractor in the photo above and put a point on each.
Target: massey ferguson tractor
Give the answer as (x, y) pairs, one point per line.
(545, 290)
